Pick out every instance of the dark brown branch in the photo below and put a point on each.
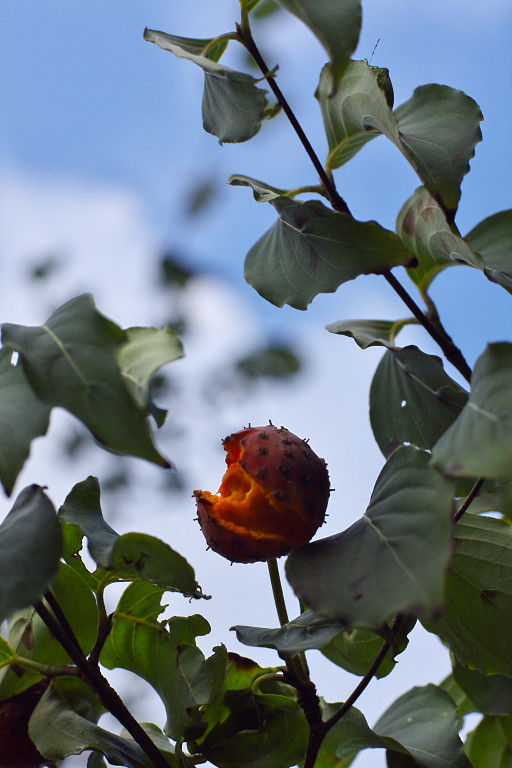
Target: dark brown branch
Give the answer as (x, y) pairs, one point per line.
(469, 498)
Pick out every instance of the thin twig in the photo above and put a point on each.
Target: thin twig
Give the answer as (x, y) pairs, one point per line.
(100, 685)
(469, 498)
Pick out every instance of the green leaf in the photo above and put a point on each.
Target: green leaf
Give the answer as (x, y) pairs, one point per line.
(479, 442)
(305, 632)
(23, 417)
(70, 362)
(262, 192)
(336, 25)
(311, 250)
(479, 596)
(491, 694)
(369, 333)
(145, 352)
(490, 744)
(210, 48)
(420, 729)
(30, 549)
(358, 112)
(497, 499)
(439, 129)
(259, 724)
(166, 656)
(127, 557)
(436, 130)
(492, 239)
(31, 639)
(390, 561)
(233, 107)
(424, 230)
(412, 399)
(59, 731)
(424, 721)
(355, 650)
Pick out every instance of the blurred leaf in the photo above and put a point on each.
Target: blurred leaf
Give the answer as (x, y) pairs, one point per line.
(264, 8)
(45, 268)
(233, 107)
(491, 694)
(71, 362)
(424, 230)
(479, 596)
(173, 271)
(272, 362)
(59, 731)
(390, 561)
(31, 639)
(303, 633)
(369, 333)
(479, 442)
(141, 356)
(311, 250)
(166, 656)
(200, 197)
(420, 726)
(492, 239)
(355, 650)
(490, 744)
(412, 399)
(126, 557)
(436, 130)
(23, 417)
(30, 549)
(336, 25)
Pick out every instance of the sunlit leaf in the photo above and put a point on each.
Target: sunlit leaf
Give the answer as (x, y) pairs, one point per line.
(311, 250)
(479, 596)
(30, 549)
(305, 632)
(70, 362)
(390, 561)
(31, 639)
(143, 354)
(424, 230)
(479, 442)
(492, 239)
(490, 744)
(23, 417)
(262, 192)
(166, 656)
(233, 106)
(58, 730)
(127, 557)
(369, 333)
(336, 25)
(412, 399)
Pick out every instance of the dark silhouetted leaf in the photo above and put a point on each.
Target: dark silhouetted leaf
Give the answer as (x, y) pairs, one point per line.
(336, 25)
(424, 230)
(144, 353)
(370, 333)
(272, 362)
(166, 656)
(492, 239)
(390, 561)
(311, 250)
(23, 417)
(233, 107)
(412, 399)
(479, 596)
(479, 442)
(70, 362)
(30, 549)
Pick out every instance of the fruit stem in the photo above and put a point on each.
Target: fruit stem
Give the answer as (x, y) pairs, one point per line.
(296, 665)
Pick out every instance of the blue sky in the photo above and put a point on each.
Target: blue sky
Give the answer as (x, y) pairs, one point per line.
(101, 142)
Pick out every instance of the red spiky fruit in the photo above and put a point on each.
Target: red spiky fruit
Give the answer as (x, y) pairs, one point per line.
(272, 498)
